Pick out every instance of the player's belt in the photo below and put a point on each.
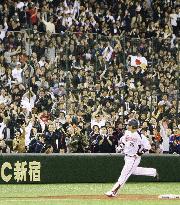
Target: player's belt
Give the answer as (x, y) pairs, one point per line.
(130, 155)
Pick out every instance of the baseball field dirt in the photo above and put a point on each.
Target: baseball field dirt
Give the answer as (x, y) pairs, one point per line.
(94, 197)
(87, 194)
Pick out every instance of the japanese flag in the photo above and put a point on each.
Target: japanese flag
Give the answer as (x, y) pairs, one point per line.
(138, 61)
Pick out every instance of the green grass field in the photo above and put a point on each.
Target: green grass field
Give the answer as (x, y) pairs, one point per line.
(38, 194)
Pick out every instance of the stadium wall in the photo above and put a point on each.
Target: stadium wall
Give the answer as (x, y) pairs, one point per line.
(77, 168)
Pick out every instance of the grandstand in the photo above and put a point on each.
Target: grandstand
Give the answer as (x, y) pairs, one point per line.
(72, 73)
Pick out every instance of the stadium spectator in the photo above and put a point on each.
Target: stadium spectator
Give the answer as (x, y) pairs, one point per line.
(94, 138)
(174, 141)
(77, 141)
(105, 143)
(70, 63)
(19, 141)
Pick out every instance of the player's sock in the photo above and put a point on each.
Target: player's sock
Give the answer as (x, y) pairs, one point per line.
(116, 187)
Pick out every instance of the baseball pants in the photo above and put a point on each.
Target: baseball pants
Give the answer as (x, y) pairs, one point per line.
(131, 167)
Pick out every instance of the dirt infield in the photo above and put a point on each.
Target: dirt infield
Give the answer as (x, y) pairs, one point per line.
(98, 197)
(126, 197)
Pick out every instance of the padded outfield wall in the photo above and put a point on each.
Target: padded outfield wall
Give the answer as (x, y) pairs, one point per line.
(77, 168)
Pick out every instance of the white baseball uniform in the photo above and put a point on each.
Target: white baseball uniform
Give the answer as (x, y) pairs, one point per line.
(132, 143)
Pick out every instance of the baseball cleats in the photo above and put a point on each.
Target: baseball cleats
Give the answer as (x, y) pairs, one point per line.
(110, 194)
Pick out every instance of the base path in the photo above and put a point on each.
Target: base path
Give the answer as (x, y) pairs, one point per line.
(126, 197)
(118, 197)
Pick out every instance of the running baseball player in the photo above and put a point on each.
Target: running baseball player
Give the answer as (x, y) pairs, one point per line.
(133, 144)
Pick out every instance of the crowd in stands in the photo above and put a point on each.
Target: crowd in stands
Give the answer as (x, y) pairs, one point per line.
(67, 84)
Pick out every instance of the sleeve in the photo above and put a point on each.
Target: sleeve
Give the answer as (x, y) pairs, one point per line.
(171, 139)
(5, 27)
(121, 145)
(44, 22)
(145, 143)
(122, 140)
(54, 30)
(12, 53)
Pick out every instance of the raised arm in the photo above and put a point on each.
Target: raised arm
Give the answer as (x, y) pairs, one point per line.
(96, 112)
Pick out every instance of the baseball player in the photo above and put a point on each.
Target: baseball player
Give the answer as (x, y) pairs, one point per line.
(133, 144)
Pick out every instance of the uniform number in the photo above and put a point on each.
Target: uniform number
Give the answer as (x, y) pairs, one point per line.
(131, 144)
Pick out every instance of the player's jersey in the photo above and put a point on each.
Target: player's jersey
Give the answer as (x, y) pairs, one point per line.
(133, 142)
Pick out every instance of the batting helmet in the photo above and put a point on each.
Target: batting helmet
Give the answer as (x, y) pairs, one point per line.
(134, 123)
